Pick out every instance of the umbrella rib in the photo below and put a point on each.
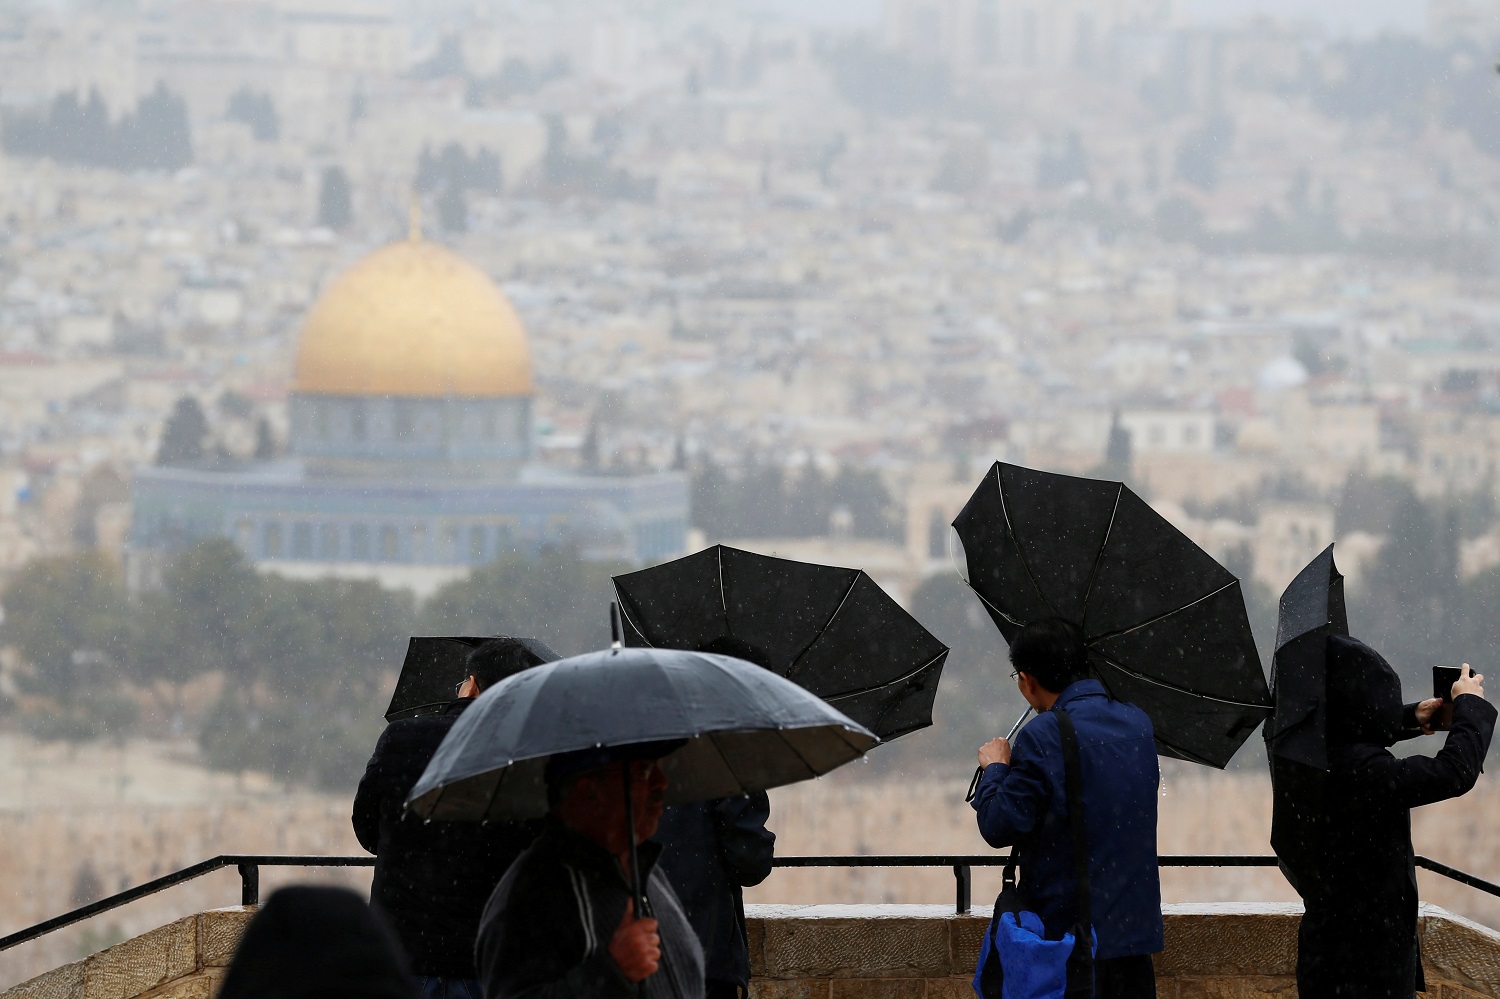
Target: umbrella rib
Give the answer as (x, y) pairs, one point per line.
(1020, 552)
(1191, 756)
(1088, 591)
(988, 603)
(886, 683)
(1163, 616)
(798, 661)
(625, 613)
(1178, 688)
(812, 770)
(495, 791)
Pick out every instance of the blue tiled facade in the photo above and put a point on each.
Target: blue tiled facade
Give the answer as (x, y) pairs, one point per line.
(277, 511)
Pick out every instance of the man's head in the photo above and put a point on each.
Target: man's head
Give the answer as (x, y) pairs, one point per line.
(1051, 655)
(501, 657)
(587, 791)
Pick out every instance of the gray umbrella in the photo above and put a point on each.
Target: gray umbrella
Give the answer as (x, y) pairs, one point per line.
(746, 730)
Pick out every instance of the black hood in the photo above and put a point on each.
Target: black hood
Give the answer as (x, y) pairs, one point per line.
(312, 942)
(1364, 695)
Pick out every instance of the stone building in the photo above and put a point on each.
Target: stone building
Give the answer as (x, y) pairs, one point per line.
(410, 453)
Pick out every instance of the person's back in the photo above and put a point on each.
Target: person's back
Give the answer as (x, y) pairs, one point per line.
(1021, 801)
(712, 851)
(432, 879)
(1357, 876)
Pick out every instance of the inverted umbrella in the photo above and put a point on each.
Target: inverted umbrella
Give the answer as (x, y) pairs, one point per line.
(1165, 624)
(831, 630)
(1311, 609)
(434, 666)
(746, 730)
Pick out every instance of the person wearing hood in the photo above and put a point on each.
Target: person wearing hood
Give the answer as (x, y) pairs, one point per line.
(432, 879)
(1357, 876)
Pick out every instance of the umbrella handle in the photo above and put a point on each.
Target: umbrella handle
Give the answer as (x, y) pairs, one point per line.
(642, 906)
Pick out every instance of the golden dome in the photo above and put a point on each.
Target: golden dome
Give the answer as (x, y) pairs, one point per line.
(413, 319)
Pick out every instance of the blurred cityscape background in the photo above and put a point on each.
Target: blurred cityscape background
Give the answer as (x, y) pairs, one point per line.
(784, 275)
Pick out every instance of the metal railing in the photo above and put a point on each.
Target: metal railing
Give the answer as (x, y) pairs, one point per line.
(962, 865)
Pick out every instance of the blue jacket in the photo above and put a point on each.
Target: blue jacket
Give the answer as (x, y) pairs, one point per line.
(1024, 805)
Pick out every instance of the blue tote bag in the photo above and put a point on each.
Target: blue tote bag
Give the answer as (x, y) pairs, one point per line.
(1016, 960)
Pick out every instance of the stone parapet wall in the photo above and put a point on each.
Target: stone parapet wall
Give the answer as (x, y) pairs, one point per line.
(184, 959)
(1214, 951)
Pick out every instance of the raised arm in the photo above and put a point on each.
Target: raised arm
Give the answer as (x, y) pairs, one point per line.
(1422, 780)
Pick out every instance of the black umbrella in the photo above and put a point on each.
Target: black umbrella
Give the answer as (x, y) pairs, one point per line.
(1311, 609)
(746, 730)
(1165, 624)
(828, 629)
(434, 667)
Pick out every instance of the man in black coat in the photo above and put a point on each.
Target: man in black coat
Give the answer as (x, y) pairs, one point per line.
(1357, 877)
(711, 852)
(433, 878)
(562, 923)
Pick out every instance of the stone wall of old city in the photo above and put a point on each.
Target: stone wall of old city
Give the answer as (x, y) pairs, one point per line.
(1214, 951)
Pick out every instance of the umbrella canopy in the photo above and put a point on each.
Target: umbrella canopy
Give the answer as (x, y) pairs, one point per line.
(1165, 624)
(746, 730)
(1311, 609)
(830, 630)
(434, 667)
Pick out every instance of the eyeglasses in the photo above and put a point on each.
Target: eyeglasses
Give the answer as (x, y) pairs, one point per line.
(458, 688)
(1015, 673)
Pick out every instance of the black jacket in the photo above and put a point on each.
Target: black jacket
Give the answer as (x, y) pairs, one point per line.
(1359, 885)
(711, 852)
(431, 879)
(546, 930)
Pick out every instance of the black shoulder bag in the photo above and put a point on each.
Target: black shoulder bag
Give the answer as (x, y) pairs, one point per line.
(989, 977)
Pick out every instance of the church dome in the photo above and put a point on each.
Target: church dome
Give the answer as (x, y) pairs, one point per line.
(416, 320)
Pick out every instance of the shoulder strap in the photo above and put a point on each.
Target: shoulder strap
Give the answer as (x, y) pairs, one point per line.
(1073, 784)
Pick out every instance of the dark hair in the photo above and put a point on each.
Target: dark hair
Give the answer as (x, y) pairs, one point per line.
(1052, 652)
(317, 942)
(499, 658)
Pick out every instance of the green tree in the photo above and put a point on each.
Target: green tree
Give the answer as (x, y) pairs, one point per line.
(555, 596)
(183, 437)
(63, 614)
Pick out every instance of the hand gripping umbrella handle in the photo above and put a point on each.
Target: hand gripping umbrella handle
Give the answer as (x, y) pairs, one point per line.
(979, 771)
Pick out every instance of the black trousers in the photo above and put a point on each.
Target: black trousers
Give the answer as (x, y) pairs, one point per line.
(716, 989)
(1122, 978)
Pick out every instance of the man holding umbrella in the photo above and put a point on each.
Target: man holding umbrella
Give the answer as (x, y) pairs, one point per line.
(562, 922)
(1022, 800)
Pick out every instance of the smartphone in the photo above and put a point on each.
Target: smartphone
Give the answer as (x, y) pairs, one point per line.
(1443, 679)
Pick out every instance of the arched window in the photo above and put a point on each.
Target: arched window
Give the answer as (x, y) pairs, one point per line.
(328, 534)
(359, 542)
(271, 541)
(302, 541)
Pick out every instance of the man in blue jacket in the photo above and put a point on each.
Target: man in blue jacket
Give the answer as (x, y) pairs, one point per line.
(1021, 801)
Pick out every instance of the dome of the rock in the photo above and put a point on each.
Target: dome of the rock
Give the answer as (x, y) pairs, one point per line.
(413, 320)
